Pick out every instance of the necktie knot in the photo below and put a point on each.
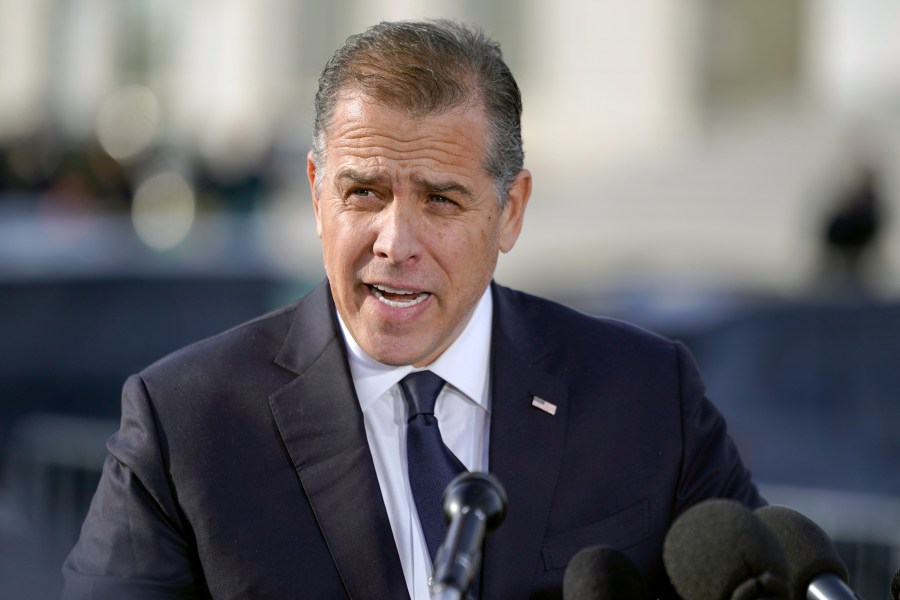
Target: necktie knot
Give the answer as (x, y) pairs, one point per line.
(420, 390)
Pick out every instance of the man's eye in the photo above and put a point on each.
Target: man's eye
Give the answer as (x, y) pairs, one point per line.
(362, 192)
(440, 200)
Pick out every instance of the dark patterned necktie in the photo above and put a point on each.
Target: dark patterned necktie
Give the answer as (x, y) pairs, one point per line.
(431, 463)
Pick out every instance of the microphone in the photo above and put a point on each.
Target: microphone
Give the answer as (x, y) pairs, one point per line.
(815, 571)
(895, 586)
(474, 505)
(599, 572)
(719, 549)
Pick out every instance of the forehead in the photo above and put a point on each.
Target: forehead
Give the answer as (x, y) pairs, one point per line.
(364, 130)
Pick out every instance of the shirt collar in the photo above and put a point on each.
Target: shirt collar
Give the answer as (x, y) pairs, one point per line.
(464, 364)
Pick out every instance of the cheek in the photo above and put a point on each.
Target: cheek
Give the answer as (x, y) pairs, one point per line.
(489, 238)
(346, 241)
(334, 243)
(469, 259)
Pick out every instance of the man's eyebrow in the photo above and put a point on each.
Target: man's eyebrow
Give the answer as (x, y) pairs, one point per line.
(350, 175)
(443, 187)
(358, 177)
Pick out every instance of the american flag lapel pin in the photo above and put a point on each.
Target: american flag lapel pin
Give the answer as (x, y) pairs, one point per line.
(540, 403)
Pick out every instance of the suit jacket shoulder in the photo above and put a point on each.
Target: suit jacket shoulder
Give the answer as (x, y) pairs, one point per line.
(259, 340)
(241, 470)
(628, 442)
(562, 334)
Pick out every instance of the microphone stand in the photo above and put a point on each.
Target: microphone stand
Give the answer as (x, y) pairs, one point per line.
(460, 555)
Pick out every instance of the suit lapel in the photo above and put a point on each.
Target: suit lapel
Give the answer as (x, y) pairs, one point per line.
(322, 427)
(526, 447)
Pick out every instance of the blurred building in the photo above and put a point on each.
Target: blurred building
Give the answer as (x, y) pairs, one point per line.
(694, 136)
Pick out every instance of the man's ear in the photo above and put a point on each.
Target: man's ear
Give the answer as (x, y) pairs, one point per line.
(311, 175)
(513, 214)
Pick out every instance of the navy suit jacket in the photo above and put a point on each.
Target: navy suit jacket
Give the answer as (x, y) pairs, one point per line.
(241, 468)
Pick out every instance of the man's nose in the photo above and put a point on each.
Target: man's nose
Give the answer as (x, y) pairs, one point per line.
(398, 233)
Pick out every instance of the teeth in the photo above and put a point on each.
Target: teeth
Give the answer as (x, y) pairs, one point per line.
(378, 289)
(385, 288)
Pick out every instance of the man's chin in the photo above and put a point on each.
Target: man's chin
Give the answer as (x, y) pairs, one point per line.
(399, 352)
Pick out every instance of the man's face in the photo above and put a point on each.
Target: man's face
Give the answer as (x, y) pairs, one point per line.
(410, 225)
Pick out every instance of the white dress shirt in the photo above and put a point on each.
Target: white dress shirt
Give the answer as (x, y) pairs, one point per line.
(463, 414)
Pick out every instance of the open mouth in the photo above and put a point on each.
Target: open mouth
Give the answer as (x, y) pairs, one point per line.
(397, 298)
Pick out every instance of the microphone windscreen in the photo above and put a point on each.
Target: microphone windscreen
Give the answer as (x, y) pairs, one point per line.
(807, 548)
(718, 549)
(598, 572)
(895, 586)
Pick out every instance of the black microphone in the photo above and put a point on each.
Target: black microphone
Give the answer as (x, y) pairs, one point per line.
(474, 505)
(719, 549)
(599, 572)
(895, 586)
(815, 571)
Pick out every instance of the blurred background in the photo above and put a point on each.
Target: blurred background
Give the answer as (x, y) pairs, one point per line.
(721, 171)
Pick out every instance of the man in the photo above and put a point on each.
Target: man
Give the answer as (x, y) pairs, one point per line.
(272, 461)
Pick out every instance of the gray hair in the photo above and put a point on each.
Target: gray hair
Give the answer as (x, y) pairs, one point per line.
(426, 67)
